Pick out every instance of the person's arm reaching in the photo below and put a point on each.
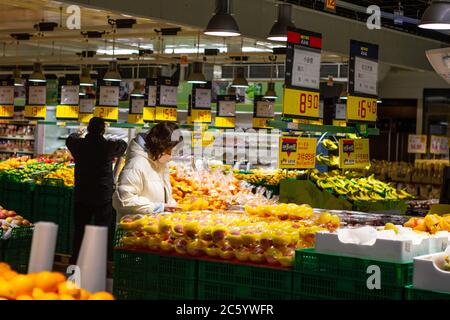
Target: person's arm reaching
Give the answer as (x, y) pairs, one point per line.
(73, 141)
(116, 148)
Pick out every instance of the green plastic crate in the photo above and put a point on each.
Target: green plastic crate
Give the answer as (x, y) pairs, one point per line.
(16, 249)
(18, 197)
(54, 203)
(326, 287)
(307, 261)
(245, 275)
(226, 291)
(419, 294)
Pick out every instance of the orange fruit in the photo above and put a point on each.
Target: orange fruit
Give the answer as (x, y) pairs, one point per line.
(69, 288)
(37, 293)
(47, 281)
(101, 296)
(60, 278)
(24, 297)
(9, 274)
(4, 266)
(22, 284)
(84, 294)
(66, 297)
(49, 296)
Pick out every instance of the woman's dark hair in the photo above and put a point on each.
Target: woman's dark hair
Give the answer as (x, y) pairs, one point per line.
(161, 138)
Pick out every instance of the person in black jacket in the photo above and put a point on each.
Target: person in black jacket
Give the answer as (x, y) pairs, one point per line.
(94, 182)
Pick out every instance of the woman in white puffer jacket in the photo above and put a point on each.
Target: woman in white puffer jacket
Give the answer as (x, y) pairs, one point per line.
(144, 183)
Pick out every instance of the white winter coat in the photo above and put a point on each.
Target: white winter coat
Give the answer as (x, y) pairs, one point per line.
(143, 186)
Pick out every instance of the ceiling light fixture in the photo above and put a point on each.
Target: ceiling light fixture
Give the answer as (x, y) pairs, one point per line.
(239, 80)
(222, 24)
(85, 78)
(196, 75)
(344, 94)
(279, 28)
(17, 78)
(436, 16)
(137, 91)
(113, 73)
(271, 93)
(37, 75)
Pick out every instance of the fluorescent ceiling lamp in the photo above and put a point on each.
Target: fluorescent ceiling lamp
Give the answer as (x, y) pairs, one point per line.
(344, 94)
(222, 24)
(196, 75)
(279, 29)
(271, 93)
(37, 75)
(113, 72)
(85, 78)
(111, 52)
(436, 16)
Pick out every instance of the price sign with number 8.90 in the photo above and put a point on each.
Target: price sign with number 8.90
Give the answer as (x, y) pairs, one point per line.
(301, 103)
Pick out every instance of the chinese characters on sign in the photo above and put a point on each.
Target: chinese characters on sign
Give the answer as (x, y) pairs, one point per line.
(297, 153)
(354, 153)
(439, 145)
(417, 143)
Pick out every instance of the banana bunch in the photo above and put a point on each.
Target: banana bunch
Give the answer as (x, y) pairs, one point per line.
(330, 161)
(270, 177)
(330, 145)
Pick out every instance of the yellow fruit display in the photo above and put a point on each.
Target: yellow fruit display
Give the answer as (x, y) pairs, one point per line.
(42, 286)
(66, 174)
(431, 223)
(16, 162)
(268, 177)
(261, 234)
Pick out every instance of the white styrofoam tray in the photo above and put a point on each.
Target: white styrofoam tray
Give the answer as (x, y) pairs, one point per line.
(427, 274)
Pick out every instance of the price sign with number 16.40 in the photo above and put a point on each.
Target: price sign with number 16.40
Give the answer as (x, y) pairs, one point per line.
(361, 109)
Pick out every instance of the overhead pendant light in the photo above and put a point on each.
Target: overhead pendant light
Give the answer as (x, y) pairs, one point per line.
(436, 16)
(279, 28)
(37, 75)
(344, 94)
(196, 75)
(137, 91)
(239, 80)
(17, 78)
(113, 73)
(271, 93)
(222, 24)
(85, 78)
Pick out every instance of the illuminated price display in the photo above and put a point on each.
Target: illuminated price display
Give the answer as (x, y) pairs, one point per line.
(354, 153)
(261, 123)
(168, 96)
(136, 118)
(107, 113)
(199, 115)
(225, 122)
(297, 153)
(166, 114)
(109, 96)
(70, 95)
(137, 106)
(35, 112)
(330, 5)
(301, 103)
(149, 114)
(306, 69)
(361, 109)
(67, 112)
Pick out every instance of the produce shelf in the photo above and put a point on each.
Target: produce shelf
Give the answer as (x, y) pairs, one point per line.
(225, 291)
(16, 250)
(285, 126)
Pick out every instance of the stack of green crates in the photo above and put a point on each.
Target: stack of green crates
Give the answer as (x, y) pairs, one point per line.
(53, 202)
(231, 281)
(334, 277)
(419, 294)
(17, 196)
(16, 250)
(144, 275)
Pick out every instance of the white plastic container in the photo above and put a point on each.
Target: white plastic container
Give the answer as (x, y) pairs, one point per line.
(427, 274)
(390, 250)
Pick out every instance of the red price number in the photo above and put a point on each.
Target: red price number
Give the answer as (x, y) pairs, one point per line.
(308, 101)
(366, 107)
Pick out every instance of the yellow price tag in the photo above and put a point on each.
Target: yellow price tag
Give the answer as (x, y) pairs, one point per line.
(297, 153)
(301, 103)
(203, 138)
(136, 118)
(107, 113)
(149, 114)
(225, 122)
(199, 115)
(317, 122)
(261, 123)
(166, 114)
(6, 111)
(361, 109)
(67, 112)
(85, 117)
(354, 153)
(339, 123)
(35, 112)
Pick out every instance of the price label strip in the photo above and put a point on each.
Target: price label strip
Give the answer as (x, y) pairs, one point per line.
(261, 123)
(264, 110)
(149, 114)
(297, 153)
(67, 112)
(361, 109)
(6, 111)
(225, 122)
(35, 112)
(201, 116)
(136, 118)
(166, 114)
(354, 153)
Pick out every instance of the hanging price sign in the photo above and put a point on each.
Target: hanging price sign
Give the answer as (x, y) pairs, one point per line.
(330, 5)
(67, 112)
(299, 103)
(201, 115)
(361, 109)
(36, 100)
(225, 122)
(417, 143)
(70, 95)
(226, 111)
(168, 96)
(108, 101)
(297, 153)
(261, 123)
(35, 112)
(354, 153)
(136, 118)
(6, 99)
(107, 113)
(152, 92)
(200, 111)
(87, 105)
(69, 98)
(166, 114)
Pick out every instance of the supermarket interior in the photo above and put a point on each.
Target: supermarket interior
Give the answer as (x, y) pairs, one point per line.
(224, 150)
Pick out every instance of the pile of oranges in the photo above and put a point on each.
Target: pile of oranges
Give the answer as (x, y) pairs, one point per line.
(42, 286)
